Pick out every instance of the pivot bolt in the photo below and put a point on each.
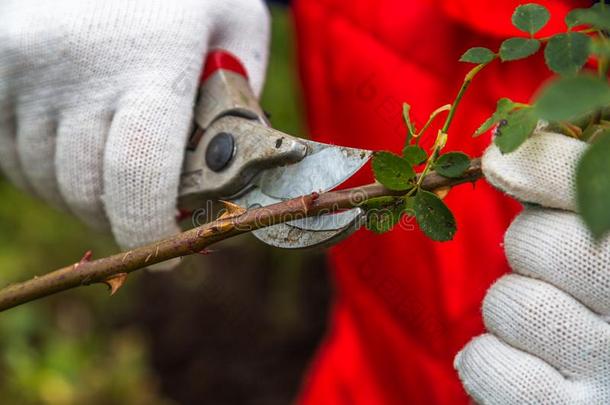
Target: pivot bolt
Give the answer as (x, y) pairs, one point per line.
(220, 151)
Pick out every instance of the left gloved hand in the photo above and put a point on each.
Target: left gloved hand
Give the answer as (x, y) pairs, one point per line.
(96, 100)
(549, 336)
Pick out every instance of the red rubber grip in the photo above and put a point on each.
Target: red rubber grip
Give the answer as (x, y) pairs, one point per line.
(219, 59)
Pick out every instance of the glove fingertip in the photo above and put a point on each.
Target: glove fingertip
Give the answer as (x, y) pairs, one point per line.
(541, 171)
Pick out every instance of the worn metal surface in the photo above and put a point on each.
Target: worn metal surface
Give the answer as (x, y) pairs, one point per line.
(324, 168)
(292, 237)
(226, 93)
(257, 147)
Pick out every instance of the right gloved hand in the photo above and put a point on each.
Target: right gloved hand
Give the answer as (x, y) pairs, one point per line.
(549, 337)
(96, 100)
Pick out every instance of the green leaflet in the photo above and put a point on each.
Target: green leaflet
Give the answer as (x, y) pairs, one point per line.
(452, 164)
(570, 97)
(392, 171)
(593, 186)
(515, 129)
(567, 53)
(530, 18)
(518, 48)
(433, 216)
(478, 55)
(503, 107)
(594, 16)
(414, 154)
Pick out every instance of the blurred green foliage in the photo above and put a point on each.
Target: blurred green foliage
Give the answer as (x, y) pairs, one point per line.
(69, 348)
(281, 96)
(78, 347)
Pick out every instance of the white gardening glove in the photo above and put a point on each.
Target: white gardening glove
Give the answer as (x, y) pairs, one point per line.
(549, 336)
(96, 100)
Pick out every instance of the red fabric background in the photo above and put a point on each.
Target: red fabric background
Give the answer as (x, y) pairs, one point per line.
(405, 305)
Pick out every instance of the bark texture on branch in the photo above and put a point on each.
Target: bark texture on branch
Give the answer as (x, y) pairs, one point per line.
(113, 270)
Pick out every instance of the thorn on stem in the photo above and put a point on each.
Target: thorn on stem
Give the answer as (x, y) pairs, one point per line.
(115, 282)
(231, 210)
(125, 257)
(86, 258)
(206, 251)
(307, 201)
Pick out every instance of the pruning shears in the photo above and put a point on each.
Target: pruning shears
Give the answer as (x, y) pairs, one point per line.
(234, 154)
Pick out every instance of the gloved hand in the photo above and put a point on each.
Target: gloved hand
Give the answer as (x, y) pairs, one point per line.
(549, 337)
(96, 100)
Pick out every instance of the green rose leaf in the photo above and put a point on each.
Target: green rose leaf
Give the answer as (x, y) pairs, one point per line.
(383, 218)
(452, 164)
(518, 48)
(530, 18)
(414, 154)
(406, 115)
(392, 171)
(571, 19)
(433, 216)
(596, 16)
(567, 53)
(478, 55)
(515, 129)
(593, 186)
(571, 97)
(503, 107)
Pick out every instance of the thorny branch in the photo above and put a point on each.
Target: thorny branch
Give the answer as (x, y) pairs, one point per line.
(113, 270)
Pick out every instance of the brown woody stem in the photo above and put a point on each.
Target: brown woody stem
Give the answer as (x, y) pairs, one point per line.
(87, 272)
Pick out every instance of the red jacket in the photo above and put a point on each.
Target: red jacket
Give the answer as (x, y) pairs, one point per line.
(404, 305)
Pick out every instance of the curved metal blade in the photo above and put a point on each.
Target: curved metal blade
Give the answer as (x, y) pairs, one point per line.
(330, 222)
(324, 168)
(288, 236)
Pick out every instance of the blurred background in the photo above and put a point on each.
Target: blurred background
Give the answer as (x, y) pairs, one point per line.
(238, 326)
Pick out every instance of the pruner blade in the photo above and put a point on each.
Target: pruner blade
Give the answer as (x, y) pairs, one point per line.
(322, 169)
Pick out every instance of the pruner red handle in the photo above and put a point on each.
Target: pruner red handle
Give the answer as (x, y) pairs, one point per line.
(219, 59)
(224, 90)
